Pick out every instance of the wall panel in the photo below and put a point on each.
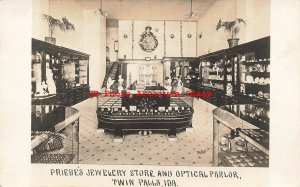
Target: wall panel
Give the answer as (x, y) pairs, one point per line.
(167, 46)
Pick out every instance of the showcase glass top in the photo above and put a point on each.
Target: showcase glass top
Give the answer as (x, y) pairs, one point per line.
(51, 117)
(257, 115)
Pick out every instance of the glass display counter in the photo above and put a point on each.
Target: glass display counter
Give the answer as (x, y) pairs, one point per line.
(54, 134)
(241, 136)
(150, 109)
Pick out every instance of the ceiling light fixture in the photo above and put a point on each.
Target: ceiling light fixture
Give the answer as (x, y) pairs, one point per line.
(100, 11)
(192, 15)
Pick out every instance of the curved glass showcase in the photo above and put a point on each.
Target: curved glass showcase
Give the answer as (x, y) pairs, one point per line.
(54, 134)
(241, 136)
(153, 109)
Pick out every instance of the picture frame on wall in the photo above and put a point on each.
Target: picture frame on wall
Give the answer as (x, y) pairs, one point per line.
(116, 46)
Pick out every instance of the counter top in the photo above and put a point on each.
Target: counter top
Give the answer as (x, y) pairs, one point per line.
(251, 115)
(167, 91)
(52, 117)
(54, 134)
(251, 120)
(42, 97)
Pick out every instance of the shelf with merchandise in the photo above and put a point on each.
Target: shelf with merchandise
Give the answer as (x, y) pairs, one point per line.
(59, 69)
(259, 61)
(241, 72)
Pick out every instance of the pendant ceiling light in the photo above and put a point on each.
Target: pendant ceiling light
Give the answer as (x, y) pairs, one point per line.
(191, 15)
(100, 11)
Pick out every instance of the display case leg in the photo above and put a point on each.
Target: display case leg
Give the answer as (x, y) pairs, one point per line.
(172, 135)
(215, 143)
(119, 136)
(100, 130)
(189, 129)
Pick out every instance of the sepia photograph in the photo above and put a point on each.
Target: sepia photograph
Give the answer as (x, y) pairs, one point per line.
(166, 82)
(167, 93)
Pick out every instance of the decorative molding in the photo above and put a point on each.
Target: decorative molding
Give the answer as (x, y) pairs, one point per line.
(166, 36)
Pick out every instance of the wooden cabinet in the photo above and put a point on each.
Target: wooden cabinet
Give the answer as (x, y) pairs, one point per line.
(58, 72)
(252, 70)
(184, 68)
(213, 70)
(236, 75)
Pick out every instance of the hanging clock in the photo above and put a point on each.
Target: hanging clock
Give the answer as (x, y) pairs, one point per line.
(148, 41)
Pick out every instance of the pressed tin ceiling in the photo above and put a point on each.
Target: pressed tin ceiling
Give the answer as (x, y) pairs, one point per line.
(146, 9)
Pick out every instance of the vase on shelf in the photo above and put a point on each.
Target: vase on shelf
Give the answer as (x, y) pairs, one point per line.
(232, 42)
(50, 40)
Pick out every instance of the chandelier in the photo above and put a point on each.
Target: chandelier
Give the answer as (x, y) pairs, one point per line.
(100, 11)
(191, 15)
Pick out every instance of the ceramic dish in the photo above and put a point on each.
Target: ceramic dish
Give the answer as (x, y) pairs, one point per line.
(260, 94)
(242, 88)
(250, 69)
(249, 79)
(262, 81)
(267, 80)
(259, 68)
(254, 68)
(268, 68)
(267, 95)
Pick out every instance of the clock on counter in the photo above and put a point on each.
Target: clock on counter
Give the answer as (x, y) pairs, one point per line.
(148, 41)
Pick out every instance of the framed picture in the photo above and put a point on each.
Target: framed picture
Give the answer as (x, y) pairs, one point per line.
(116, 46)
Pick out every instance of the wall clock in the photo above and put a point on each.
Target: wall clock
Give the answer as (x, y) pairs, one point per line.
(148, 41)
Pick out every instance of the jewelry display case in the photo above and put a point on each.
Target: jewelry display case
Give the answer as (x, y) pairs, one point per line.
(185, 69)
(211, 78)
(58, 72)
(54, 134)
(237, 75)
(255, 77)
(151, 109)
(213, 74)
(241, 136)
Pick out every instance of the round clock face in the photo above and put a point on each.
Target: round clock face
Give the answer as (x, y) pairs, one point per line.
(148, 41)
